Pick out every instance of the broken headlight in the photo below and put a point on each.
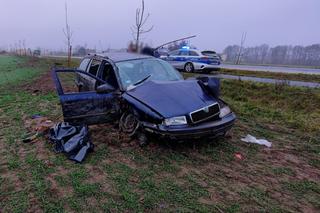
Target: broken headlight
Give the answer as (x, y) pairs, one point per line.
(225, 110)
(175, 121)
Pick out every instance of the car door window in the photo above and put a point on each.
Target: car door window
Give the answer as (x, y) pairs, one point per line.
(108, 75)
(84, 64)
(176, 52)
(74, 82)
(184, 53)
(193, 53)
(94, 67)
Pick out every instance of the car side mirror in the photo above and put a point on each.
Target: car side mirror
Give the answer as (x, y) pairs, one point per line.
(105, 88)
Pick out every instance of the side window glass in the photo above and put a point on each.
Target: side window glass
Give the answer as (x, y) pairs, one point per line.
(193, 53)
(84, 64)
(174, 52)
(109, 76)
(94, 66)
(184, 53)
(74, 82)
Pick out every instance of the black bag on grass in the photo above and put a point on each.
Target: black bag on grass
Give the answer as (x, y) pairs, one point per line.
(72, 140)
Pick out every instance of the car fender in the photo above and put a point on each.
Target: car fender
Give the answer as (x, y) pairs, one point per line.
(142, 111)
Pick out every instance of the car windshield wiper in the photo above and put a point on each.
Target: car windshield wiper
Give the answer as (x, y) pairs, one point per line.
(142, 80)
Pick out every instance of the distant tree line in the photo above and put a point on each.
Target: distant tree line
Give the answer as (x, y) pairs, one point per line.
(278, 55)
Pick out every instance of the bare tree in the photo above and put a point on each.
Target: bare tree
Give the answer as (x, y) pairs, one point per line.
(243, 40)
(68, 34)
(24, 47)
(138, 28)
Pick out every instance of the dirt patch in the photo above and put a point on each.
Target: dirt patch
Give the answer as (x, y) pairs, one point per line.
(41, 85)
(58, 190)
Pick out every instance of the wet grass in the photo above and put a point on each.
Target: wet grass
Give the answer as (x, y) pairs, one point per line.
(263, 74)
(203, 176)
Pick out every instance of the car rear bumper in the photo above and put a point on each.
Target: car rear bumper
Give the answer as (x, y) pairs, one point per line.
(206, 67)
(207, 129)
(210, 67)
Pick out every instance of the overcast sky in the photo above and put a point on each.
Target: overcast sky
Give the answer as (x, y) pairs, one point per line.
(106, 23)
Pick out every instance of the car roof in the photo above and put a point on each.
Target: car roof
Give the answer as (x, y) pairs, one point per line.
(121, 56)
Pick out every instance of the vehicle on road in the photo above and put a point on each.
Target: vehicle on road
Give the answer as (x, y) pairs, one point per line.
(146, 95)
(190, 60)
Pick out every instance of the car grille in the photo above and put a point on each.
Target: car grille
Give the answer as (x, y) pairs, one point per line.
(205, 113)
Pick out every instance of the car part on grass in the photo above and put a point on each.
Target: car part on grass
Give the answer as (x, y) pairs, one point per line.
(238, 156)
(37, 126)
(38, 123)
(30, 137)
(252, 139)
(72, 140)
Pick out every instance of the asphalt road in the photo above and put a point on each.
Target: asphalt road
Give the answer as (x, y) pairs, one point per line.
(272, 69)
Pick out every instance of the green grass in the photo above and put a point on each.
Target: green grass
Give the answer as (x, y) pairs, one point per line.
(16, 70)
(282, 76)
(203, 176)
(263, 74)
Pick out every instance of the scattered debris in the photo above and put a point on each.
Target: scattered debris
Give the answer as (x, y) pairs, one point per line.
(239, 156)
(30, 137)
(72, 140)
(252, 139)
(39, 124)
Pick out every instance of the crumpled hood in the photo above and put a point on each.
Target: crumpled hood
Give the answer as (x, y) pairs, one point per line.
(172, 98)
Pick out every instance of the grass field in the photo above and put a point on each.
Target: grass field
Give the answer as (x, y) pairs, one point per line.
(203, 176)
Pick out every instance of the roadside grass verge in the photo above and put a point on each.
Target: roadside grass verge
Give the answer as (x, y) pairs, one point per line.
(263, 74)
(200, 176)
(278, 65)
(16, 70)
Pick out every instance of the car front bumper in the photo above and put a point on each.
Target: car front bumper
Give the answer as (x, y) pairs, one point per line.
(206, 129)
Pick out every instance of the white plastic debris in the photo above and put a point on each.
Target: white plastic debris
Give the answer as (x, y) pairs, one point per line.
(252, 139)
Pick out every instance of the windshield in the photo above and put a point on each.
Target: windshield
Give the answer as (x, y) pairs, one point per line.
(134, 71)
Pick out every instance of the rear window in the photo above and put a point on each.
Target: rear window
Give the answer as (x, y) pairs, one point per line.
(84, 64)
(209, 53)
(193, 53)
(94, 66)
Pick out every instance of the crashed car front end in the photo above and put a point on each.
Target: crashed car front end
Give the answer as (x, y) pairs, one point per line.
(210, 128)
(181, 110)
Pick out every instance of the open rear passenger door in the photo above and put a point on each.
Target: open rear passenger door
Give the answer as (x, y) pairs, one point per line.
(89, 107)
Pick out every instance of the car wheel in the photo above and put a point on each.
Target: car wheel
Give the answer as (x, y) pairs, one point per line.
(129, 123)
(188, 67)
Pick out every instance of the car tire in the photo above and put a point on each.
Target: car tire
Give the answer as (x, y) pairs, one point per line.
(129, 123)
(188, 67)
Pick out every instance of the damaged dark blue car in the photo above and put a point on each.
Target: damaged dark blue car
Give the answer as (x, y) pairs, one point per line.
(146, 96)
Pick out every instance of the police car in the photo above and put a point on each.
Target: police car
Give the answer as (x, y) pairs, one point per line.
(190, 60)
